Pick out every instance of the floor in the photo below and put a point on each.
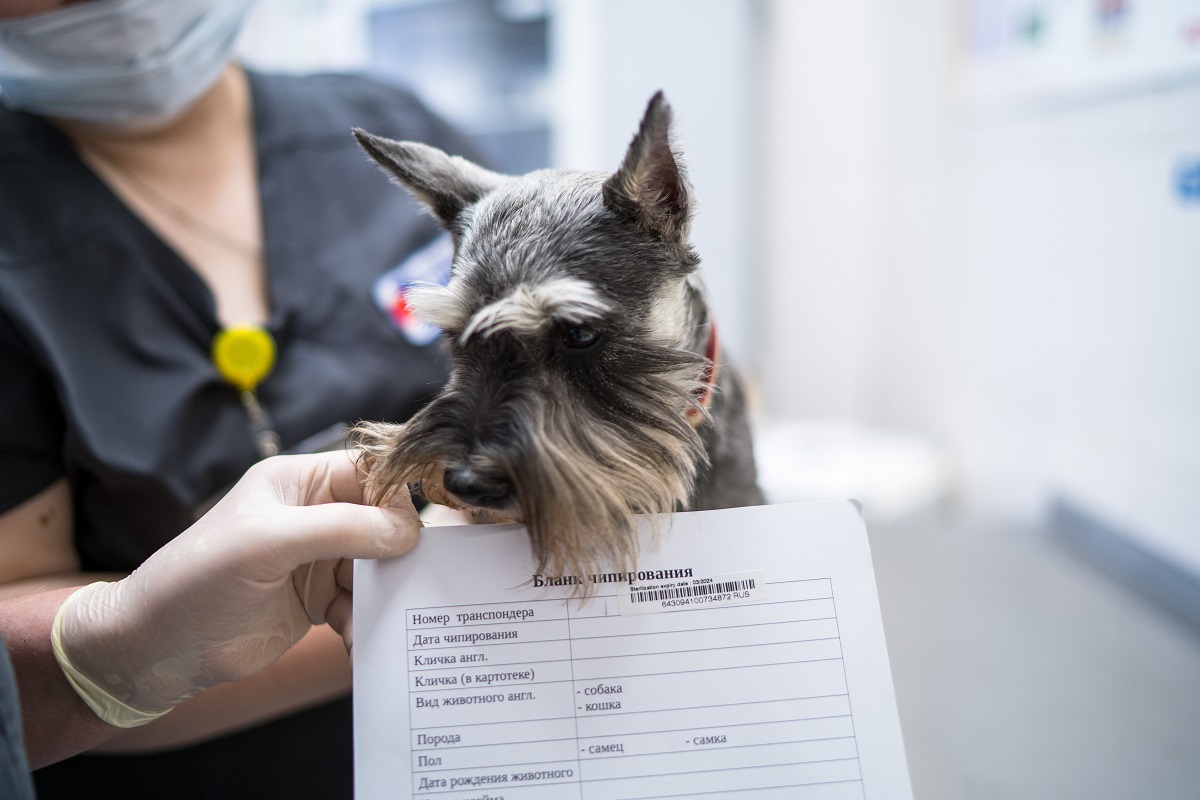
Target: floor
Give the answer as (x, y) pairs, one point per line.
(1022, 672)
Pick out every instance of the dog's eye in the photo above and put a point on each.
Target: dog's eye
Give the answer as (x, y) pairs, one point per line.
(579, 337)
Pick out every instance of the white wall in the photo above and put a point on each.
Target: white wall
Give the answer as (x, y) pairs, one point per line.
(1081, 333)
(823, 137)
(609, 57)
(1022, 286)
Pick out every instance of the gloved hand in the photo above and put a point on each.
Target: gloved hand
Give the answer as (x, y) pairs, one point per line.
(228, 596)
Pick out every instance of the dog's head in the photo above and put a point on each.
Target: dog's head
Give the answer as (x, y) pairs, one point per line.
(577, 325)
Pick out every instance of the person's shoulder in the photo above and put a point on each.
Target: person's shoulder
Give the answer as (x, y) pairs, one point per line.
(328, 105)
(37, 186)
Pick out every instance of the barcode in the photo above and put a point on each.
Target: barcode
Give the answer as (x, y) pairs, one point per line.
(671, 593)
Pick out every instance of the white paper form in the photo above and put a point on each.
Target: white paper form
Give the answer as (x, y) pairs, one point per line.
(745, 660)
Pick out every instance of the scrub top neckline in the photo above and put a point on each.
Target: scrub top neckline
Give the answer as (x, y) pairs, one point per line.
(183, 282)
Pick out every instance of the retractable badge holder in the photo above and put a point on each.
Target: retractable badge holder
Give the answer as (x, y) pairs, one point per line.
(245, 355)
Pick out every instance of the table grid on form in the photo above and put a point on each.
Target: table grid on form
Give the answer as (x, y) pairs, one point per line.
(553, 699)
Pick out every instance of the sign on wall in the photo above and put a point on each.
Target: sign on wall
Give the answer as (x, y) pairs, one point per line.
(1031, 52)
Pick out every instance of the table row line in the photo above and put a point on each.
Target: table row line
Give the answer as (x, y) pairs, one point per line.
(600, 728)
(620, 668)
(637, 695)
(723, 618)
(517, 651)
(688, 775)
(593, 608)
(634, 744)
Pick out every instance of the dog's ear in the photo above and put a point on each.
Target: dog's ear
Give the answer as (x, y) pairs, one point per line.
(651, 188)
(445, 183)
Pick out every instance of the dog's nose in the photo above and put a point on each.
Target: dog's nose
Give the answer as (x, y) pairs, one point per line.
(478, 489)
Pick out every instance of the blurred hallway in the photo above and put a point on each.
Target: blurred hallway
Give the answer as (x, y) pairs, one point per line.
(1023, 673)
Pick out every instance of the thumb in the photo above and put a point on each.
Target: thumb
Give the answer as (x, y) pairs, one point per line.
(347, 530)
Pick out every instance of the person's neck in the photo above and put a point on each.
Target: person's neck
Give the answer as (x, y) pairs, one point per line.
(209, 125)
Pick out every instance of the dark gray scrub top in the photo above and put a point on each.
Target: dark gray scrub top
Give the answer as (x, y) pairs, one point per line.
(105, 332)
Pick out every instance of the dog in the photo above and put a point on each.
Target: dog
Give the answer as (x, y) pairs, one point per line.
(587, 385)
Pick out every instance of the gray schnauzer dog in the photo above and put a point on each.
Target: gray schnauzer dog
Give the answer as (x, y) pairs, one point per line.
(586, 382)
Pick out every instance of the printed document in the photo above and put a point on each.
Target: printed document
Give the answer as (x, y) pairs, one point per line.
(743, 658)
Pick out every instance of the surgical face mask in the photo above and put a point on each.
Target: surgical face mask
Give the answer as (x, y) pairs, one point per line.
(127, 64)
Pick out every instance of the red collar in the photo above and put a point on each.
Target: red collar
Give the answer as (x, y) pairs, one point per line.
(704, 394)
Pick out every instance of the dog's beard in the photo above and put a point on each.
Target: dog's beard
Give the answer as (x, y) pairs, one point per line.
(578, 482)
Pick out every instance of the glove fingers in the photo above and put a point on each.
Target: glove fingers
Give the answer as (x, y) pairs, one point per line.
(343, 479)
(337, 479)
(340, 616)
(322, 584)
(345, 530)
(316, 587)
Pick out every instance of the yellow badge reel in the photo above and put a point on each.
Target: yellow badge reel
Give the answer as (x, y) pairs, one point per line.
(245, 356)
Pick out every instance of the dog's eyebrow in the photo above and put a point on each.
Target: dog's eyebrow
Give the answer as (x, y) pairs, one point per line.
(529, 308)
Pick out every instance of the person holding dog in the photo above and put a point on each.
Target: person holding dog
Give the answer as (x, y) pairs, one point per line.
(191, 257)
(223, 600)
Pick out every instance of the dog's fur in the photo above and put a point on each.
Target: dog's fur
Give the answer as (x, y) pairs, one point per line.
(577, 326)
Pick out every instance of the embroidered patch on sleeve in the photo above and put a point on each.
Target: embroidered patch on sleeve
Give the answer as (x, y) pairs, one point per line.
(430, 264)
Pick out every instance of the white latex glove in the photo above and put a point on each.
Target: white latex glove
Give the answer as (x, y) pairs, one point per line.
(224, 599)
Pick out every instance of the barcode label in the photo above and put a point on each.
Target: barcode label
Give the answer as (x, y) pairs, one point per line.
(644, 596)
(692, 593)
